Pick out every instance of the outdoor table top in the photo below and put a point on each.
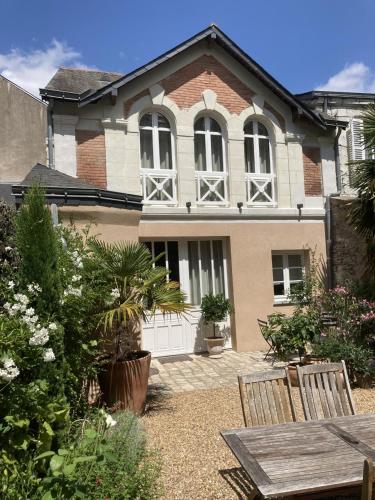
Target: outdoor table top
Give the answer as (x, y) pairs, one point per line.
(304, 457)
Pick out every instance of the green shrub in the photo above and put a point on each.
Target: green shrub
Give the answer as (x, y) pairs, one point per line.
(215, 308)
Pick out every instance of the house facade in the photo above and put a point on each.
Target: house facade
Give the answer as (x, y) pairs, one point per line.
(233, 171)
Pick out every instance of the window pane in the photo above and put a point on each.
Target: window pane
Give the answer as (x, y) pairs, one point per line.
(262, 129)
(278, 274)
(200, 152)
(277, 261)
(195, 296)
(159, 248)
(214, 126)
(206, 270)
(146, 120)
(147, 158)
(295, 260)
(295, 273)
(264, 154)
(165, 150)
(199, 124)
(173, 264)
(249, 155)
(155, 194)
(217, 249)
(249, 128)
(162, 121)
(278, 289)
(217, 153)
(148, 244)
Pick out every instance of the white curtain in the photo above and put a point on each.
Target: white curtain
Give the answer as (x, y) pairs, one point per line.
(195, 296)
(165, 149)
(217, 153)
(147, 158)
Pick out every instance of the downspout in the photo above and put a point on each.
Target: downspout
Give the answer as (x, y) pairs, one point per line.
(51, 156)
(329, 250)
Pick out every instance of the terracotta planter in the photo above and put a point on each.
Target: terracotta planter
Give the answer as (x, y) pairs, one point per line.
(215, 346)
(124, 383)
(292, 370)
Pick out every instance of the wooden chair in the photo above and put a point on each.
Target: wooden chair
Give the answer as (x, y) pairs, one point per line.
(325, 391)
(368, 479)
(272, 348)
(266, 398)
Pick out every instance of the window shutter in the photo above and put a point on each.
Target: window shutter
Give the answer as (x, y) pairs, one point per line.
(356, 147)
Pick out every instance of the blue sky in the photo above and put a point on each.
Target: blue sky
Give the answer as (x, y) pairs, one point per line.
(304, 44)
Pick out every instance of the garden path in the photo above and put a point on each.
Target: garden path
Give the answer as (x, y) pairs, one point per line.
(198, 371)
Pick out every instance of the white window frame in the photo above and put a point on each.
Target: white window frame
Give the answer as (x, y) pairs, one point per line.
(257, 178)
(155, 140)
(211, 178)
(282, 299)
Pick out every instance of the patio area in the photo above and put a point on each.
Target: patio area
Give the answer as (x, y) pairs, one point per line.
(197, 371)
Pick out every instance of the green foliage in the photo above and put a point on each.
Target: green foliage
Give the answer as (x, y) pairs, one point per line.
(133, 290)
(8, 251)
(215, 308)
(362, 210)
(37, 246)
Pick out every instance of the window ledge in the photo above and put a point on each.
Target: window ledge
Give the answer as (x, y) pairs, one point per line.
(282, 302)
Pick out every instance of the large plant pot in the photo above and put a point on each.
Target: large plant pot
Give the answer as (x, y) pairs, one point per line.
(292, 367)
(124, 383)
(215, 346)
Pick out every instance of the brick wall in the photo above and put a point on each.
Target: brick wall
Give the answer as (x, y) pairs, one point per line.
(348, 250)
(91, 164)
(312, 171)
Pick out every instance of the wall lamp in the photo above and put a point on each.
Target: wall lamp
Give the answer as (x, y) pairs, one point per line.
(240, 205)
(188, 206)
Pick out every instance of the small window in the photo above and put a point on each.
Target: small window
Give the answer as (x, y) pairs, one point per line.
(156, 142)
(257, 149)
(288, 272)
(169, 259)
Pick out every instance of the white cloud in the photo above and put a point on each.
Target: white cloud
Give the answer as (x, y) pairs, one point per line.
(356, 77)
(33, 70)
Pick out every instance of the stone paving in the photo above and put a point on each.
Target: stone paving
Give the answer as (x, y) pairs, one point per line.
(201, 372)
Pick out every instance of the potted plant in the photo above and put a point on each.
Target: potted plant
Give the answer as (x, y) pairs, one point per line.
(215, 308)
(292, 336)
(137, 289)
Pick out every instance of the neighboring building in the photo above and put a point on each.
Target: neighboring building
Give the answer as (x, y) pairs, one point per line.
(23, 134)
(233, 170)
(348, 252)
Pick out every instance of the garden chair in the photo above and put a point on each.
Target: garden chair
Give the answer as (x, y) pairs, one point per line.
(368, 479)
(272, 347)
(266, 398)
(325, 391)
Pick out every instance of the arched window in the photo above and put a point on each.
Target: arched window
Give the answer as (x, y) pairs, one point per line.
(258, 164)
(158, 175)
(208, 145)
(156, 142)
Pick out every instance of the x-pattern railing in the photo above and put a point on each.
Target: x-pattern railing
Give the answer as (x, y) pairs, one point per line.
(211, 188)
(260, 189)
(159, 186)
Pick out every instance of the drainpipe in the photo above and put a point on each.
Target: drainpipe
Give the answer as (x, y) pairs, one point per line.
(337, 159)
(329, 239)
(51, 156)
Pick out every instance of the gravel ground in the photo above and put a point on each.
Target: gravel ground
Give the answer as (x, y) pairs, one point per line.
(196, 462)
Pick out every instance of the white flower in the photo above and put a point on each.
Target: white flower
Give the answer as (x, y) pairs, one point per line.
(115, 293)
(40, 337)
(30, 311)
(109, 421)
(20, 297)
(8, 249)
(10, 370)
(52, 327)
(16, 307)
(70, 290)
(7, 306)
(11, 284)
(75, 254)
(76, 278)
(48, 355)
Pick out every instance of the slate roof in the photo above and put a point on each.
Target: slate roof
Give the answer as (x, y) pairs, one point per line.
(78, 81)
(48, 177)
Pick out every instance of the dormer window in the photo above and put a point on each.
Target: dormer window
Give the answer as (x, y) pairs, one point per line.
(258, 164)
(157, 161)
(209, 162)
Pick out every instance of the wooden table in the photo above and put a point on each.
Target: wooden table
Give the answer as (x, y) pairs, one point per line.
(304, 457)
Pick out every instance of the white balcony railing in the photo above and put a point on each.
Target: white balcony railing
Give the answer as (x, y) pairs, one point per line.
(159, 186)
(211, 188)
(260, 189)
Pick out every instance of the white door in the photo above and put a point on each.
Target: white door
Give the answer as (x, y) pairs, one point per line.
(200, 267)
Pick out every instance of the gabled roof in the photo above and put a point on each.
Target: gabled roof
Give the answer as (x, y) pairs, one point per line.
(78, 81)
(214, 34)
(330, 93)
(63, 189)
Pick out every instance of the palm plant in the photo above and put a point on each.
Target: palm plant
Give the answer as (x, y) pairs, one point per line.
(137, 289)
(362, 210)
